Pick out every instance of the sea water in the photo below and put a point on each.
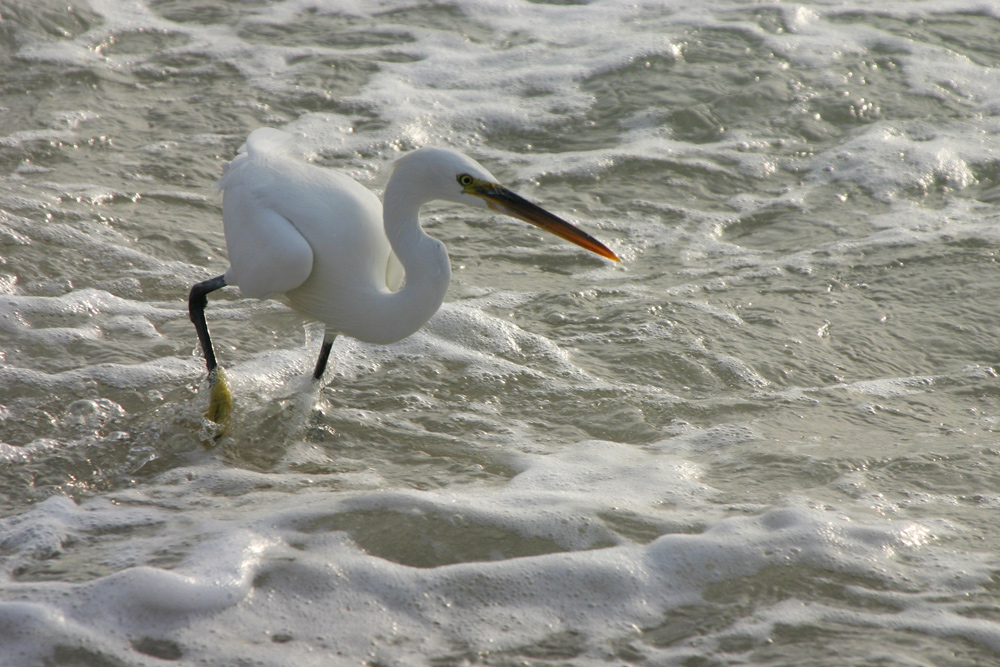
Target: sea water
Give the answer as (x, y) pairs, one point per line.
(767, 437)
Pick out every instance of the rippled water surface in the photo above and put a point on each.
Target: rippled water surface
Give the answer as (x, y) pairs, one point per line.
(767, 437)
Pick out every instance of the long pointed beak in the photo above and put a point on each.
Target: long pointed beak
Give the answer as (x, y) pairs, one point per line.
(504, 201)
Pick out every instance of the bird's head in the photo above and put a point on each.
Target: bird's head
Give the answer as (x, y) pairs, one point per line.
(438, 173)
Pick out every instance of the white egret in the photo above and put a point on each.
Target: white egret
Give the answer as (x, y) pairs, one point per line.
(339, 256)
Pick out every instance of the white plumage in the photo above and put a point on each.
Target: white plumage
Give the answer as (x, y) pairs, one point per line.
(339, 255)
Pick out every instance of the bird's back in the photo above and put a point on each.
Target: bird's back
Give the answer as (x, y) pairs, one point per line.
(295, 228)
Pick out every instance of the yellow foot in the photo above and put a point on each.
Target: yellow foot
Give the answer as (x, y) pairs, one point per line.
(220, 402)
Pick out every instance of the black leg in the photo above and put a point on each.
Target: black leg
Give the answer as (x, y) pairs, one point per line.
(324, 355)
(196, 308)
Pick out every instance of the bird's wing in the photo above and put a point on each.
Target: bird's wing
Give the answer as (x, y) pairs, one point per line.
(267, 254)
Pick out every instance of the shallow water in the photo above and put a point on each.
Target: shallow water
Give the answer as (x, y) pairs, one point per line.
(766, 438)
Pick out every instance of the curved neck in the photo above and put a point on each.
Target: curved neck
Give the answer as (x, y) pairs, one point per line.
(424, 260)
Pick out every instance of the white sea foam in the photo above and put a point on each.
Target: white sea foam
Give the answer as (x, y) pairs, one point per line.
(300, 593)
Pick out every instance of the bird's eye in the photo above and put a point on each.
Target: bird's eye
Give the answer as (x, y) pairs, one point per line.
(465, 180)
